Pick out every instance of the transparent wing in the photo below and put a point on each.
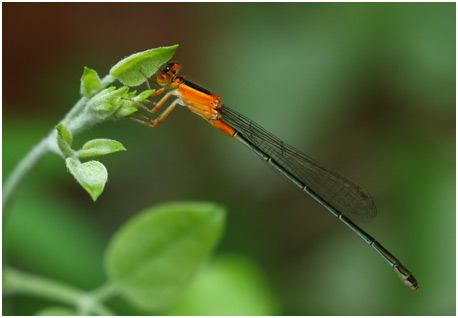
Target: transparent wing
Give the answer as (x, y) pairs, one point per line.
(343, 195)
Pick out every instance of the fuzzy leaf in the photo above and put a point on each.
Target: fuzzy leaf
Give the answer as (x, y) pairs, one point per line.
(91, 175)
(144, 95)
(125, 111)
(107, 102)
(131, 94)
(154, 256)
(100, 147)
(90, 82)
(64, 134)
(131, 71)
(64, 140)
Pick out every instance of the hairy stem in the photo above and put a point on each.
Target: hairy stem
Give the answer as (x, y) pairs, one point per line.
(16, 282)
(46, 145)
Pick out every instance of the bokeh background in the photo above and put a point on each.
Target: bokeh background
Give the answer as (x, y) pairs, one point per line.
(366, 89)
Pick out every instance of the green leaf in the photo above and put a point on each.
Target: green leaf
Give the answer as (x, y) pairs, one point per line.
(131, 71)
(154, 256)
(129, 107)
(125, 110)
(131, 94)
(91, 175)
(144, 95)
(64, 134)
(107, 102)
(56, 311)
(64, 140)
(100, 147)
(90, 82)
(242, 291)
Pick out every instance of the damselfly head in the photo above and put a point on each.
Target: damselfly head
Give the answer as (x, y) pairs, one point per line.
(163, 79)
(167, 74)
(172, 69)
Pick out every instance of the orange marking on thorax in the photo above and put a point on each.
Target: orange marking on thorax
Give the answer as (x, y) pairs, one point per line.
(197, 99)
(202, 103)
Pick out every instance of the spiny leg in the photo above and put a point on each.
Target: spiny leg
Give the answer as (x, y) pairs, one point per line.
(138, 104)
(156, 105)
(158, 92)
(155, 122)
(161, 102)
(141, 122)
(166, 112)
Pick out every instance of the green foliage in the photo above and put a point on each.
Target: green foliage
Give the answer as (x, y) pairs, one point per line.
(99, 147)
(91, 175)
(153, 257)
(107, 104)
(56, 311)
(90, 82)
(131, 71)
(104, 104)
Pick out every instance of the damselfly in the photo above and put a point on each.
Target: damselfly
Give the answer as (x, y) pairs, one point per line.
(344, 199)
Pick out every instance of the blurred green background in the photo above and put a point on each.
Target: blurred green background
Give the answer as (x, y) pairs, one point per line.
(366, 89)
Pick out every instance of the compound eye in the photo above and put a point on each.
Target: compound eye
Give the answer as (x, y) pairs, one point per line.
(167, 67)
(175, 68)
(163, 79)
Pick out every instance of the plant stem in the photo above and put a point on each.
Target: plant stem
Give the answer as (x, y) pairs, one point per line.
(46, 145)
(16, 282)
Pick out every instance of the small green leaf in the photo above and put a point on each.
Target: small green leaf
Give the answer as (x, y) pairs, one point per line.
(107, 102)
(154, 256)
(64, 134)
(125, 111)
(100, 147)
(131, 94)
(64, 140)
(56, 311)
(131, 71)
(91, 175)
(144, 95)
(90, 82)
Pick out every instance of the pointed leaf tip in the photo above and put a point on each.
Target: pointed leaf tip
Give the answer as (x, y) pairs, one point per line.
(100, 147)
(90, 82)
(134, 69)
